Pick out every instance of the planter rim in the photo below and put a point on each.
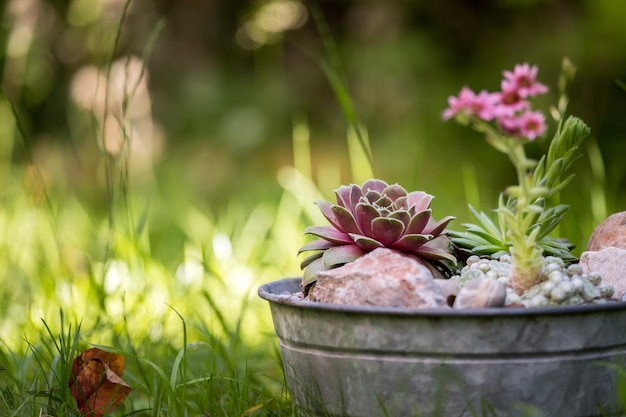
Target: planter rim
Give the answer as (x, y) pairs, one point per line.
(270, 294)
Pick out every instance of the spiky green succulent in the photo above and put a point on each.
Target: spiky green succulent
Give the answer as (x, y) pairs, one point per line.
(374, 215)
(489, 238)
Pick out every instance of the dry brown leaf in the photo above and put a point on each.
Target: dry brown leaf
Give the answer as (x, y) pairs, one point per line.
(96, 382)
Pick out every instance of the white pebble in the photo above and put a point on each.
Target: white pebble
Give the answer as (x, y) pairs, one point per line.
(566, 287)
(549, 267)
(595, 278)
(558, 294)
(537, 301)
(606, 291)
(577, 283)
(555, 276)
(574, 269)
(491, 274)
(547, 288)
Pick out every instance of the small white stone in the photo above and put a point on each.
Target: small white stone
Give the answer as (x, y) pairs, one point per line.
(503, 280)
(556, 277)
(558, 294)
(537, 301)
(566, 287)
(606, 291)
(481, 293)
(595, 278)
(547, 288)
(472, 260)
(577, 283)
(574, 269)
(551, 266)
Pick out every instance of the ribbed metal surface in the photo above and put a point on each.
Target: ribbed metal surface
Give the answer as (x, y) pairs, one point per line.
(369, 362)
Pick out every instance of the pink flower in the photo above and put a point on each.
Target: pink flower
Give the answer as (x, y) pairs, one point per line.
(509, 124)
(529, 124)
(532, 124)
(524, 80)
(468, 103)
(510, 100)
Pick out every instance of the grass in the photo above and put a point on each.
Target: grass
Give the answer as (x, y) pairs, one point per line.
(172, 291)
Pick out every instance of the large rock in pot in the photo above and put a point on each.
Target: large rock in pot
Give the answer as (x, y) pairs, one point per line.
(606, 253)
(383, 277)
(610, 233)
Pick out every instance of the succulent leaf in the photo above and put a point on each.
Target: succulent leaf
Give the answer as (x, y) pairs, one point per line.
(375, 185)
(309, 275)
(344, 196)
(327, 211)
(319, 244)
(403, 203)
(407, 242)
(403, 216)
(309, 259)
(384, 201)
(366, 243)
(356, 195)
(345, 220)
(420, 200)
(434, 254)
(387, 230)
(329, 233)
(419, 222)
(372, 196)
(365, 215)
(438, 227)
(394, 192)
(340, 255)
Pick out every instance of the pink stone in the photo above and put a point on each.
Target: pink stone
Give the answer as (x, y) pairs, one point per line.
(610, 263)
(611, 232)
(383, 277)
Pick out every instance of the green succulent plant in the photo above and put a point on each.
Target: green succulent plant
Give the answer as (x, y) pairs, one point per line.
(487, 237)
(375, 215)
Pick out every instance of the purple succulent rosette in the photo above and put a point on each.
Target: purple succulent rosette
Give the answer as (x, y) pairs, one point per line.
(374, 215)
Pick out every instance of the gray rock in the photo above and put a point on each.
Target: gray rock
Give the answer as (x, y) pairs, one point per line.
(449, 289)
(481, 292)
(383, 277)
(610, 263)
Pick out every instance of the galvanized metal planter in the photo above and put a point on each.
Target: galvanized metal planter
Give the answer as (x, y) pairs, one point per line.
(368, 361)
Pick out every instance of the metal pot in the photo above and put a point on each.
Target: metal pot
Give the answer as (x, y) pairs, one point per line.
(363, 361)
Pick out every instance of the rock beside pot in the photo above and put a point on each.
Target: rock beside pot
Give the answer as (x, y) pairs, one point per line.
(384, 278)
(610, 233)
(610, 264)
(606, 253)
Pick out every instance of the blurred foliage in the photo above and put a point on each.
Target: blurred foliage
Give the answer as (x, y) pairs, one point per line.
(156, 164)
(226, 79)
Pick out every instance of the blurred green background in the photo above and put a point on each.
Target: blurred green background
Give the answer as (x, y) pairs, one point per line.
(160, 139)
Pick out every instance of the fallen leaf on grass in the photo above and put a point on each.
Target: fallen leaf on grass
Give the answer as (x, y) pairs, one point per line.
(96, 382)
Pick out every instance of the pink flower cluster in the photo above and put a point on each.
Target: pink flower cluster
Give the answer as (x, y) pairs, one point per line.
(509, 107)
